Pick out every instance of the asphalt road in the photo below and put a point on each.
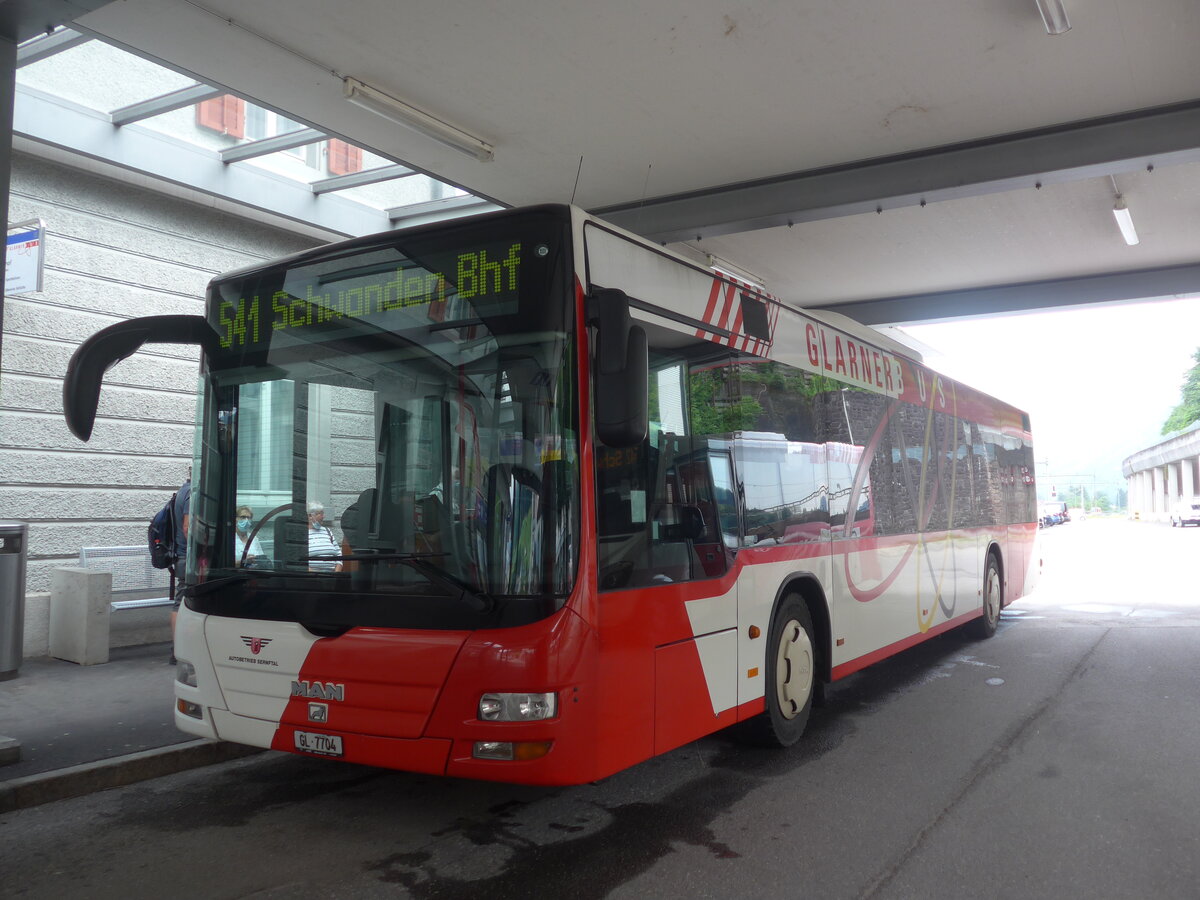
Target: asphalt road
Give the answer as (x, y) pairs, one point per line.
(1057, 760)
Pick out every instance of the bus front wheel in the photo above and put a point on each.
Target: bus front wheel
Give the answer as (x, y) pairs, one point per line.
(791, 675)
(993, 599)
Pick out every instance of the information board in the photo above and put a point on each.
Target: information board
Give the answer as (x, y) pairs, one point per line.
(23, 258)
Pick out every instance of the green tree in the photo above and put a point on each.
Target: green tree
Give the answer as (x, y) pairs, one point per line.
(1188, 410)
(1076, 497)
(710, 416)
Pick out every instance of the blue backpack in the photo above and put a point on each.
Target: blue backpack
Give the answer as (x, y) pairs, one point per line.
(161, 536)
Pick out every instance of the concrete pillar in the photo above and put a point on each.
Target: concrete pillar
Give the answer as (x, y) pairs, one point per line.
(1187, 473)
(79, 615)
(1171, 486)
(8, 81)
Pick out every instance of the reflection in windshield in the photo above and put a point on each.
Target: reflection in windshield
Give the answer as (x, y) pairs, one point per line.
(403, 465)
(398, 415)
(401, 482)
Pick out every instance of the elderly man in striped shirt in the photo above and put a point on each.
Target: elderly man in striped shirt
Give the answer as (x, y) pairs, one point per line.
(321, 543)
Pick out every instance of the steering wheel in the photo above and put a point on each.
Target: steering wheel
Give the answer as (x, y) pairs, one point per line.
(257, 528)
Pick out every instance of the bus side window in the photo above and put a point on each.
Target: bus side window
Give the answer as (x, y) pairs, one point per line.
(725, 498)
(702, 531)
(763, 489)
(658, 516)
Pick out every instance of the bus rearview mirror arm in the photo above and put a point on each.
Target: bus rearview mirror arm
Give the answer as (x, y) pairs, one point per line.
(107, 347)
(621, 370)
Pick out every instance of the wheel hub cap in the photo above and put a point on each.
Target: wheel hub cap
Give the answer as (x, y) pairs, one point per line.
(793, 669)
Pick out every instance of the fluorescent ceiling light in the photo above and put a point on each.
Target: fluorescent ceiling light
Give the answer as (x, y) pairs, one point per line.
(737, 272)
(401, 113)
(1054, 16)
(1125, 221)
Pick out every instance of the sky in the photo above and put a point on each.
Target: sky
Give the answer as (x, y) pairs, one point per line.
(1098, 382)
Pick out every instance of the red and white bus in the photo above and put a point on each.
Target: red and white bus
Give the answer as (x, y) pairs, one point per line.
(593, 501)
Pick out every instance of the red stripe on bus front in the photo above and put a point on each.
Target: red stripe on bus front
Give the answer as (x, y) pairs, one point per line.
(726, 306)
(711, 308)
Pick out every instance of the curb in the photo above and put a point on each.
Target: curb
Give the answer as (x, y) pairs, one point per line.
(10, 751)
(75, 781)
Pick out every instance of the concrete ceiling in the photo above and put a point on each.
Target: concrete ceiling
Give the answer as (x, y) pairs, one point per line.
(934, 157)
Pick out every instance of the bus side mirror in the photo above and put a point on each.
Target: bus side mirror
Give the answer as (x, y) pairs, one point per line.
(621, 371)
(107, 347)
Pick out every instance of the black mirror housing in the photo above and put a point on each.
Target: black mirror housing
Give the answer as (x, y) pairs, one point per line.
(621, 371)
(107, 347)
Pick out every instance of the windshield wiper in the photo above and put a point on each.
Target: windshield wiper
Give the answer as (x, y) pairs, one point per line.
(418, 561)
(359, 557)
(205, 587)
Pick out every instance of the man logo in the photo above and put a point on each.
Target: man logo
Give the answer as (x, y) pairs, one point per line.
(318, 712)
(255, 644)
(317, 690)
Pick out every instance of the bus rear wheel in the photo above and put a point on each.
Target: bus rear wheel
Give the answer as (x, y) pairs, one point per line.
(791, 675)
(993, 599)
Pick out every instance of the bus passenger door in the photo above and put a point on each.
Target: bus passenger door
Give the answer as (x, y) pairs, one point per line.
(685, 544)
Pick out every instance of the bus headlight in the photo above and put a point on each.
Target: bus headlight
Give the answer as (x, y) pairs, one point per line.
(518, 707)
(185, 673)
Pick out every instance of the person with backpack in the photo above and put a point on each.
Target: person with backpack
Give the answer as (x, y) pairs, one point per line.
(182, 504)
(180, 513)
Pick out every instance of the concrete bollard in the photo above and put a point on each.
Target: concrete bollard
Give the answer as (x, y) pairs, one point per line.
(79, 615)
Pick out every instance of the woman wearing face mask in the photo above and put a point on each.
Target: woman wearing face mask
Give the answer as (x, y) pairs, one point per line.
(244, 520)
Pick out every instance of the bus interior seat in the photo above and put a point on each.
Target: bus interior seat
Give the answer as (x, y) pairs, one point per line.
(291, 539)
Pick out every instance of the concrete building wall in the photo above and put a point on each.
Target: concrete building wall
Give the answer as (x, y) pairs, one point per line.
(112, 252)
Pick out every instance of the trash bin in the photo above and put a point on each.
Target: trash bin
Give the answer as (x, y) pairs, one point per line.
(12, 596)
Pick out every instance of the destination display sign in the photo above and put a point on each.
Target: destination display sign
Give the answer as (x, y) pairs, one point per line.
(379, 286)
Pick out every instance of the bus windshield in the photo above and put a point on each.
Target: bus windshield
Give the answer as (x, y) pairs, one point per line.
(389, 436)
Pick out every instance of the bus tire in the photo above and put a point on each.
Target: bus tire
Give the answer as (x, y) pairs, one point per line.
(993, 600)
(792, 666)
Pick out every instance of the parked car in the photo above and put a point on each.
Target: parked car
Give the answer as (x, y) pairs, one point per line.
(1053, 512)
(1186, 512)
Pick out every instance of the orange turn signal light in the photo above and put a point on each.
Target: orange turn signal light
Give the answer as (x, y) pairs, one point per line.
(526, 750)
(189, 709)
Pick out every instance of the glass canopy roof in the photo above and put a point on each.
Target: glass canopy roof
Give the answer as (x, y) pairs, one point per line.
(95, 80)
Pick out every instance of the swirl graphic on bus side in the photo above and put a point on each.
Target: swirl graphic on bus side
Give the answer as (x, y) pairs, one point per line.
(923, 492)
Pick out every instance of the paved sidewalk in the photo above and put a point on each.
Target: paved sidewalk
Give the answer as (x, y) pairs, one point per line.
(86, 728)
